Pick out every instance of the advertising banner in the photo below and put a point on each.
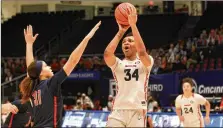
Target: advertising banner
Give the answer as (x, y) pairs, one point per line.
(87, 75)
(85, 119)
(209, 82)
(164, 85)
(99, 119)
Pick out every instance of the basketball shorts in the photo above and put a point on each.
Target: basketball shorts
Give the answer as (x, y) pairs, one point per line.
(195, 123)
(127, 118)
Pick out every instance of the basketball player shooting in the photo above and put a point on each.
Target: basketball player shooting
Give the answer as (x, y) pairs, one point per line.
(189, 103)
(131, 75)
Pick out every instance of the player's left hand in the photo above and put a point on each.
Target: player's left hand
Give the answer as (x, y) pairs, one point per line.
(28, 34)
(132, 17)
(207, 120)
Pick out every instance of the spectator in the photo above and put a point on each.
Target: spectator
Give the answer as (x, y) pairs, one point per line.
(85, 99)
(23, 65)
(189, 44)
(156, 67)
(55, 65)
(13, 68)
(96, 62)
(110, 100)
(220, 38)
(88, 63)
(151, 104)
(63, 61)
(182, 52)
(80, 65)
(163, 63)
(8, 76)
(221, 104)
(78, 105)
(203, 37)
(97, 105)
(172, 53)
(18, 67)
(192, 57)
(88, 106)
(212, 38)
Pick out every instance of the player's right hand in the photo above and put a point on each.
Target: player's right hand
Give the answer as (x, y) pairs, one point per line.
(93, 30)
(122, 28)
(28, 34)
(11, 108)
(181, 119)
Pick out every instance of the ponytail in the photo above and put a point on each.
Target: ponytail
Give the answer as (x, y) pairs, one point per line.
(26, 88)
(28, 84)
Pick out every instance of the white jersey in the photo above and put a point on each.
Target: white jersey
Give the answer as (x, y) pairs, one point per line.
(191, 109)
(131, 81)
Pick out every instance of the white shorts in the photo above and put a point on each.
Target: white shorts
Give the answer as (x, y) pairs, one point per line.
(127, 118)
(195, 123)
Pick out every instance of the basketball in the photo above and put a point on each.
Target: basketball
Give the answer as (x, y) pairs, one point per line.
(121, 13)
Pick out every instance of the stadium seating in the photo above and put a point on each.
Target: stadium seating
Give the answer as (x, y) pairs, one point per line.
(44, 23)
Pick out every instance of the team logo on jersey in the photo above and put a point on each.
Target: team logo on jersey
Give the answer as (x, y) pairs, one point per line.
(191, 101)
(137, 62)
(143, 103)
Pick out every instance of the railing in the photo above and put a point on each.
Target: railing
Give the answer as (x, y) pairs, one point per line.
(11, 88)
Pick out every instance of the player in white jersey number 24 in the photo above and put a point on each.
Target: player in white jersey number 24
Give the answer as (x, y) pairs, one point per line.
(131, 75)
(188, 106)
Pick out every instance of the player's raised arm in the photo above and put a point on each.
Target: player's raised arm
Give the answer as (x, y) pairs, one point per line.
(109, 53)
(140, 47)
(30, 39)
(77, 53)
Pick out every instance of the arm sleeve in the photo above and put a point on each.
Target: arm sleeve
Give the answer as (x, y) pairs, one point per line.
(200, 99)
(114, 67)
(57, 80)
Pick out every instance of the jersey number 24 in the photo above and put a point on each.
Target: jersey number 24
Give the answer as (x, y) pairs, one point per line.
(129, 76)
(188, 110)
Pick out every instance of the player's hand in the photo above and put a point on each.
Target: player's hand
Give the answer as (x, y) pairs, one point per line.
(181, 119)
(123, 28)
(207, 120)
(93, 30)
(11, 108)
(28, 33)
(132, 17)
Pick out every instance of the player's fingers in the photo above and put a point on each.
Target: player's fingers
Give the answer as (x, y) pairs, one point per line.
(36, 36)
(129, 10)
(132, 9)
(98, 24)
(31, 28)
(24, 32)
(27, 29)
(15, 108)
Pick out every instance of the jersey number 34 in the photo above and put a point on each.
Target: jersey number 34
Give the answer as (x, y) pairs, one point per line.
(129, 76)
